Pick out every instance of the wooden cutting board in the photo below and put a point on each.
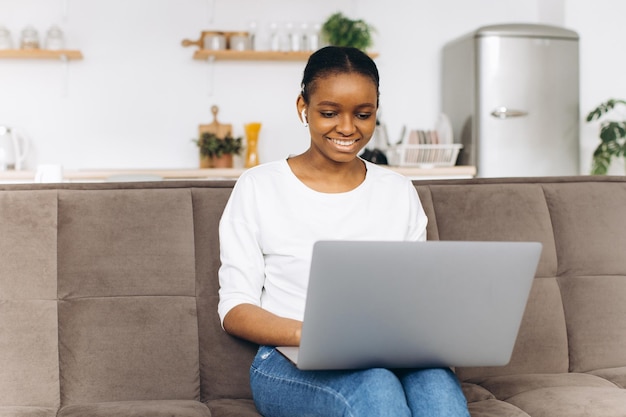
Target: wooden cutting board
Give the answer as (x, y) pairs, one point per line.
(221, 130)
(200, 42)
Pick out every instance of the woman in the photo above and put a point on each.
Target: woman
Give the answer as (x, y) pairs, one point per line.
(279, 209)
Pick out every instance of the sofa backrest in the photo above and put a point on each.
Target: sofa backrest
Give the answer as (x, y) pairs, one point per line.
(108, 292)
(575, 319)
(29, 370)
(106, 295)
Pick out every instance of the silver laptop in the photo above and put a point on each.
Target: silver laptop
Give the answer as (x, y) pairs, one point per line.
(414, 304)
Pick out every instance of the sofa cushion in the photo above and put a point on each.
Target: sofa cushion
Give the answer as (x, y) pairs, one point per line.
(554, 395)
(568, 401)
(137, 409)
(233, 408)
(495, 408)
(128, 328)
(508, 212)
(28, 412)
(541, 344)
(128, 348)
(589, 223)
(594, 306)
(474, 392)
(29, 372)
(615, 375)
(28, 248)
(148, 233)
(220, 353)
(507, 386)
(28, 312)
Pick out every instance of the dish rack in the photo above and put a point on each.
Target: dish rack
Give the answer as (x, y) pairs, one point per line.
(424, 155)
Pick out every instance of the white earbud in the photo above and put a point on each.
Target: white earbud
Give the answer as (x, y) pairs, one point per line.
(305, 122)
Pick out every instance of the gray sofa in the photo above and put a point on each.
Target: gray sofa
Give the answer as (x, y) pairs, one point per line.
(108, 297)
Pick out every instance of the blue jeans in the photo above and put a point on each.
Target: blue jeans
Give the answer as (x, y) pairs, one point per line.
(282, 390)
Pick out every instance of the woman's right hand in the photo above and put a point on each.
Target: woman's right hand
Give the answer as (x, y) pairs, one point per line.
(257, 325)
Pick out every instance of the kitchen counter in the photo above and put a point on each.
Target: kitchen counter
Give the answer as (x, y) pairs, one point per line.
(210, 174)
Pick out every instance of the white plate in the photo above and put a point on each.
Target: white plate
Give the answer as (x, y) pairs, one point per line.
(444, 130)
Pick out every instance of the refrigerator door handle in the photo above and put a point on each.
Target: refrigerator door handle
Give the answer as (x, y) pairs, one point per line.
(505, 113)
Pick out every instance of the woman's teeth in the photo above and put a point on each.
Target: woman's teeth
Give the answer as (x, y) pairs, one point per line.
(343, 142)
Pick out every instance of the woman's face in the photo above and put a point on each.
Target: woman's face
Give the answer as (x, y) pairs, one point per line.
(341, 115)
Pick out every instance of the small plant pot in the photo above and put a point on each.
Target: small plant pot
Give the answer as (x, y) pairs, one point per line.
(224, 161)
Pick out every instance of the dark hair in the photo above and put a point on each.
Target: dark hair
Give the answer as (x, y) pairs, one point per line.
(332, 60)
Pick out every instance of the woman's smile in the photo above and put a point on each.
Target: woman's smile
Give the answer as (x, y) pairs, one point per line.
(343, 143)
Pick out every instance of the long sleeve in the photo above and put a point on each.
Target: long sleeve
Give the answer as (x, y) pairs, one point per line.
(272, 220)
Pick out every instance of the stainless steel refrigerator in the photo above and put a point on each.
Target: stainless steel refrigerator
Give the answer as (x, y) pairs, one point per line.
(511, 93)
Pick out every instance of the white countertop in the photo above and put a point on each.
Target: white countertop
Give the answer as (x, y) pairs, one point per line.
(99, 175)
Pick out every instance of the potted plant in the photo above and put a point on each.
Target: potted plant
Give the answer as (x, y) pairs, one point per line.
(612, 137)
(339, 30)
(218, 152)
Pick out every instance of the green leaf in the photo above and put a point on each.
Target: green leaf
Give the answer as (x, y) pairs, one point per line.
(211, 145)
(612, 136)
(604, 108)
(340, 30)
(600, 163)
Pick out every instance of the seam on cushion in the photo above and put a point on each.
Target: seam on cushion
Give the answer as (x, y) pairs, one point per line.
(56, 273)
(556, 248)
(603, 378)
(557, 278)
(104, 297)
(195, 289)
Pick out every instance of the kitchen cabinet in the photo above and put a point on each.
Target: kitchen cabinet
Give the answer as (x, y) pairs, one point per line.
(63, 54)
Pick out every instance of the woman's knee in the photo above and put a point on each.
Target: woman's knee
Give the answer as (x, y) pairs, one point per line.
(377, 392)
(434, 392)
(433, 378)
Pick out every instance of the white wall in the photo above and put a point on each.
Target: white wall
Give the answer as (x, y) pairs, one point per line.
(602, 44)
(136, 99)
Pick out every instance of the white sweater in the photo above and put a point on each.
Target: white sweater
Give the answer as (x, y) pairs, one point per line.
(272, 220)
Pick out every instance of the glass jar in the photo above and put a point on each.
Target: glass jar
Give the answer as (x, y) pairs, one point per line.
(239, 41)
(54, 38)
(313, 37)
(5, 38)
(252, 30)
(30, 38)
(214, 41)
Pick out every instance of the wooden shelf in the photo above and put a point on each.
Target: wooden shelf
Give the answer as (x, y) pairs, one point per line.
(230, 55)
(63, 54)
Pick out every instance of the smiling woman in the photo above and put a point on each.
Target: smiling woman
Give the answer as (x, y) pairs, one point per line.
(341, 117)
(338, 101)
(275, 214)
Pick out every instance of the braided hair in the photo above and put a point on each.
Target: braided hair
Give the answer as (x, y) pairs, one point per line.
(332, 60)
